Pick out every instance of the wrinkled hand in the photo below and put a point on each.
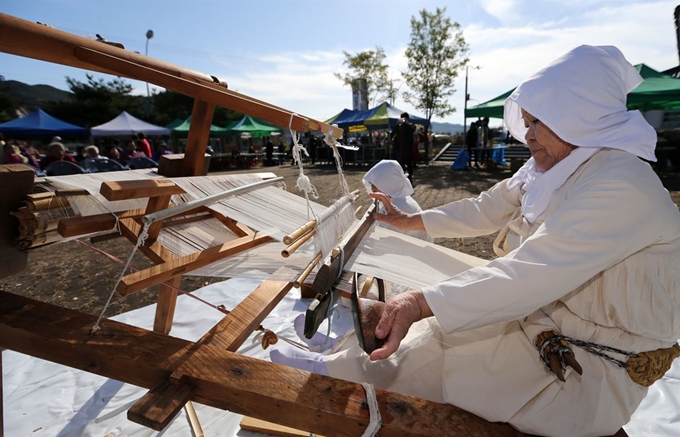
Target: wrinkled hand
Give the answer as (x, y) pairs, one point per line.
(401, 311)
(395, 217)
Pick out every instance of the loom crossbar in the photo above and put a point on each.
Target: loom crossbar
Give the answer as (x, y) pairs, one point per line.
(180, 209)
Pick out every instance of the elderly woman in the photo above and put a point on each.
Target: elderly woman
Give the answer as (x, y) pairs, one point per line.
(590, 244)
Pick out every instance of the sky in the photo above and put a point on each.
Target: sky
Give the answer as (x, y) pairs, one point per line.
(286, 51)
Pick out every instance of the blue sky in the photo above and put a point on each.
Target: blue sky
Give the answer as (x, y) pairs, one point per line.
(286, 51)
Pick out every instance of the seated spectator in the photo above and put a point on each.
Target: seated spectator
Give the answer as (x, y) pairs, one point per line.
(12, 155)
(114, 153)
(161, 149)
(129, 152)
(89, 163)
(56, 152)
(81, 154)
(30, 152)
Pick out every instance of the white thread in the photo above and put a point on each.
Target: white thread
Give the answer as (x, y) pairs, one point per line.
(140, 241)
(373, 411)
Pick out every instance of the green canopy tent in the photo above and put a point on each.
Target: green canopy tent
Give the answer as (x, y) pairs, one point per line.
(174, 123)
(492, 108)
(182, 130)
(658, 91)
(255, 127)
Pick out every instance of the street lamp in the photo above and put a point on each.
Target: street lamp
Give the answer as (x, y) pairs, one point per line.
(149, 35)
(467, 97)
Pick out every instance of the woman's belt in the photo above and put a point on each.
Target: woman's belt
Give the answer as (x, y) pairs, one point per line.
(644, 368)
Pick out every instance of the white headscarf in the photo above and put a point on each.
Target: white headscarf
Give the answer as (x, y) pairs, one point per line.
(581, 97)
(389, 178)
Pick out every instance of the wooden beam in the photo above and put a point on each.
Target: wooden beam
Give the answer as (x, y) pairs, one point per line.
(239, 229)
(26, 38)
(156, 252)
(165, 306)
(126, 190)
(160, 405)
(155, 204)
(223, 379)
(197, 140)
(16, 182)
(155, 275)
(230, 333)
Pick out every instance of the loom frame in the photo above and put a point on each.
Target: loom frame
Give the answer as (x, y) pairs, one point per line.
(207, 371)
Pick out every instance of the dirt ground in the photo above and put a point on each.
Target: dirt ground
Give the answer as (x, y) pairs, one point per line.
(75, 276)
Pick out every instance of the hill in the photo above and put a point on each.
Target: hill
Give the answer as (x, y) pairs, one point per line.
(446, 128)
(32, 96)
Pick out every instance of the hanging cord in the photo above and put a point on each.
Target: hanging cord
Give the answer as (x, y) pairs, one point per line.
(303, 182)
(331, 141)
(375, 421)
(140, 241)
(266, 337)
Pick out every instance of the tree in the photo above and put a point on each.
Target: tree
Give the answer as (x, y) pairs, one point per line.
(436, 53)
(8, 104)
(367, 65)
(96, 101)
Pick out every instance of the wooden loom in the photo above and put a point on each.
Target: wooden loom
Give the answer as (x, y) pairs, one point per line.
(177, 371)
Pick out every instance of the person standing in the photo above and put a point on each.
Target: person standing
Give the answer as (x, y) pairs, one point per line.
(471, 144)
(402, 139)
(269, 152)
(143, 145)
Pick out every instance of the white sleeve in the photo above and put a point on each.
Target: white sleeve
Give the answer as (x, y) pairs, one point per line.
(472, 217)
(601, 223)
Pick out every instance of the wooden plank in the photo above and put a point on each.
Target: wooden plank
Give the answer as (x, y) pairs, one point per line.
(16, 182)
(208, 93)
(165, 306)
(230, 333)
(223, 379)
(197, 140)
(155, 204)
(156, 252)
(25, 38)
(264, 427)
(126, 190)
(160, 405)
(179, 265)
(239, 229)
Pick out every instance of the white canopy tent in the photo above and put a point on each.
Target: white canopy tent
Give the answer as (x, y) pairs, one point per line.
(126, 124)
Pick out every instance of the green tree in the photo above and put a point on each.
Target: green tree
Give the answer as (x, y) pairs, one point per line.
(8, 104)
(436, 53)
(369, 66)
(96, 101)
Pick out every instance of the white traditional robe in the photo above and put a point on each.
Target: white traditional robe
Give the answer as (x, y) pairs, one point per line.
(600, 264)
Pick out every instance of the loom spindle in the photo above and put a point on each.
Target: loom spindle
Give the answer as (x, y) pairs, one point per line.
(299, 232)
(288, 251)
(305, 273)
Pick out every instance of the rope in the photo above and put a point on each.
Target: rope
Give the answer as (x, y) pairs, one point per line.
(140, 241)
(331, 141)
(373, 411)
(303, 182)
(644, 368)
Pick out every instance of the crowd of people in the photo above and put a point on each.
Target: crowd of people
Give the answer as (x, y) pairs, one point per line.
(24, 152)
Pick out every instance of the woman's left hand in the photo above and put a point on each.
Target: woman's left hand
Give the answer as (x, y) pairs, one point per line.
(401, 311)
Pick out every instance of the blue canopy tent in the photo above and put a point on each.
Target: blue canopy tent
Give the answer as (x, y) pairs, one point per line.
(382, 116)
(40, 124)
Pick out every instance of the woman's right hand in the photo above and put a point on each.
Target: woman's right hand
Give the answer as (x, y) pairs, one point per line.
(395, 217)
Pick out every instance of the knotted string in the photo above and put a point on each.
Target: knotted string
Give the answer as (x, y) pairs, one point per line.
(333, 143)
(303, 182)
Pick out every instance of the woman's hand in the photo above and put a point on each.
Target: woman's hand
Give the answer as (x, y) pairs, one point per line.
(401, 311)
(395, 217)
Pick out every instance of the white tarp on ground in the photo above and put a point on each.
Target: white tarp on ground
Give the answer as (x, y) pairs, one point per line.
(126, 124)
(44, 399)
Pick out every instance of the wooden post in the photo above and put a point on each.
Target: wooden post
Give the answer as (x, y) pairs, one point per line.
(165, 306)
(16, 182)
(197, 141)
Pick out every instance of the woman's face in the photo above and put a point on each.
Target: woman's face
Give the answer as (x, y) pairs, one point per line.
(546, 148)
